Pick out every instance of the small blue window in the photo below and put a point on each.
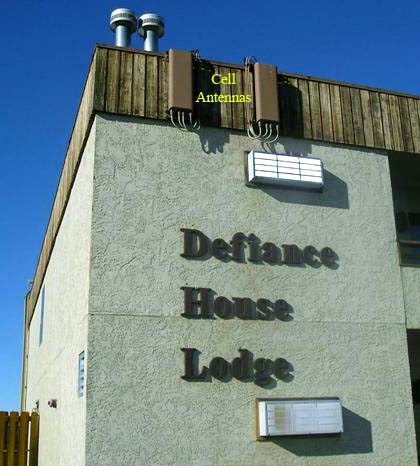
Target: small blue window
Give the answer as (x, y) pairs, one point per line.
(81, 381)
(41, 322)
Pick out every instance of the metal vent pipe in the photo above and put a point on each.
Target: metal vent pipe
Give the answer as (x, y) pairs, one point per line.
(151, 27)
(123, 22)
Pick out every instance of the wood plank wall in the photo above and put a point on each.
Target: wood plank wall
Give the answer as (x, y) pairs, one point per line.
(19, 435)
(134, 83)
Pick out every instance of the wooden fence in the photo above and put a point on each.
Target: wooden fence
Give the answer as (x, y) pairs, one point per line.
(19, 439)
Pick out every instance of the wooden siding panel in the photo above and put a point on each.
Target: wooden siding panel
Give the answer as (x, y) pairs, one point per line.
(199, 84)
(77, 136)
(139, 85)
(336, 111)
(415, 123)
(126, 84)
(152, 86)
(238, 112)
(163, 87)
(406, 125)
(418, 111)
(348, 129)
(112, 82)
(356, 108)
(295, 104)
(326, 116)
(367, 118)
(284, 109)
(100, 71)
(306, 108)
(213, 108)
(315, 110)
(226, 120)
(378, 134)
(87, 100)
(249, 107)
(396, 122)
(386, 120)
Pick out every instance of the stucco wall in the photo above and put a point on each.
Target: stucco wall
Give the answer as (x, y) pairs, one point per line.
(347, 337)
(410, 277)
(405, 173)
(53, 365)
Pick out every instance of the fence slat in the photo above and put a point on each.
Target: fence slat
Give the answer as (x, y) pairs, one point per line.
(4, 417)
(33, 443)
(23, 439)
(11, 441)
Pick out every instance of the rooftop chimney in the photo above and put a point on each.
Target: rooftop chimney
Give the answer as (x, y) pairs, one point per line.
(151, 28)
(123, 22)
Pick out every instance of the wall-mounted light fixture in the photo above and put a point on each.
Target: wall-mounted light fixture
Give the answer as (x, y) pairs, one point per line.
(284, 170)
(280, 417)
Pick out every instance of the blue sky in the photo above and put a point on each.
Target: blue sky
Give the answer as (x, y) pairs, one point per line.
(46, 50)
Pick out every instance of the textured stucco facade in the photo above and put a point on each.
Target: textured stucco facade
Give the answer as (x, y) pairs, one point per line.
(52, 366)
(410, 277)
(113, 289)
(347, 337)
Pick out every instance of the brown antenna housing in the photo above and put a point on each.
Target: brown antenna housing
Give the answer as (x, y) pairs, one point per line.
(180, 81)
(266, 96)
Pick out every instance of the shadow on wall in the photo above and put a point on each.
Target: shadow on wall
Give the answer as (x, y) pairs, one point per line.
(334, 194)
(209, 113)
(213, 140)
(356, 439)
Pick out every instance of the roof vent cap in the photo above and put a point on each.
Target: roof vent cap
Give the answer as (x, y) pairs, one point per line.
(123, 22)
(151, 27)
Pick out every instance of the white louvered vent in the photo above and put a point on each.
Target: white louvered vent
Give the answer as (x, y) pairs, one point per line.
(284, 170)
(299, 417)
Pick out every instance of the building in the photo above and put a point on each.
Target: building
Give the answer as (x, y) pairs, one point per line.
(170, 293)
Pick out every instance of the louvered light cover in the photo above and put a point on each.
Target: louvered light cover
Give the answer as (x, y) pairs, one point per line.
(299, 417)
(284, 170)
